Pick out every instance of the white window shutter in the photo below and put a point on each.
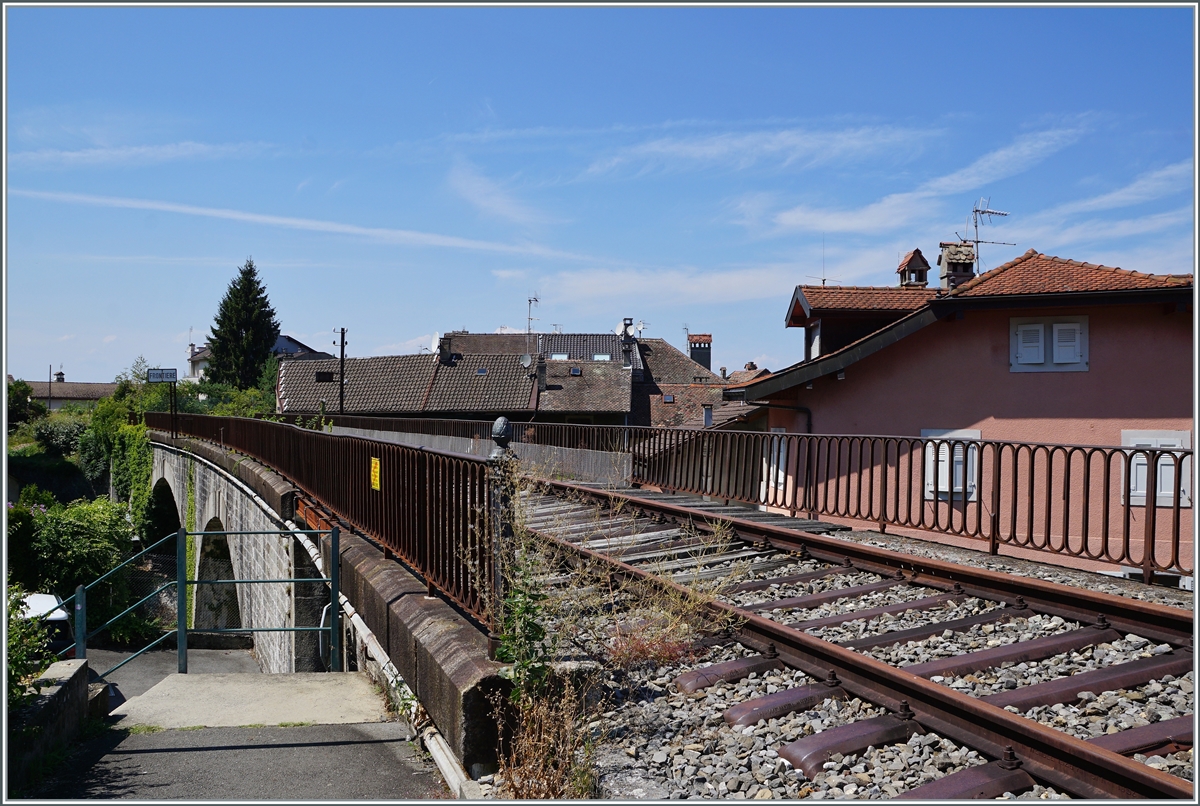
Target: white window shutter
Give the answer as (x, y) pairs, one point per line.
(1029, 344)
(1137, 469)
(1068, 343)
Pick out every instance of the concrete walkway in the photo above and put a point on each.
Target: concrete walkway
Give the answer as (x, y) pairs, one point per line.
(246, 736)
(237, 700)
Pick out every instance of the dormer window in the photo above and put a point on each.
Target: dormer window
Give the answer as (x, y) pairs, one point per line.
(559, 357)
(602, 357)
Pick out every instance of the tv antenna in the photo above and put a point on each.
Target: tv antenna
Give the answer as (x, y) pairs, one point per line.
(641, 325)
(822, 278)
(529, 318)
(983, 210)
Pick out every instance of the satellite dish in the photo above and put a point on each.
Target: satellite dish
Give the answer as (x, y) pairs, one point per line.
(620, 328)
(641, 326)
(526, 360)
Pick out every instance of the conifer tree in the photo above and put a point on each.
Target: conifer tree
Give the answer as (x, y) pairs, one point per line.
(244, 332)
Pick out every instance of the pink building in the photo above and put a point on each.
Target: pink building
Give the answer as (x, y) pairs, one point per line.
(1038, 350)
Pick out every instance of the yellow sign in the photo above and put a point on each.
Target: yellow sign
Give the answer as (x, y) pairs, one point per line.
(374, 473)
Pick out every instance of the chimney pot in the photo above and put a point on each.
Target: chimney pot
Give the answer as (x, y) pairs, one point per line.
(958, 263)
(700, 349)
(724, 376)
(59, 377)
(750, 365)
(541, 373)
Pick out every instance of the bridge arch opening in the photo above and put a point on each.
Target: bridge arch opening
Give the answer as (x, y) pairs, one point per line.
(216, 605)
(161, 517)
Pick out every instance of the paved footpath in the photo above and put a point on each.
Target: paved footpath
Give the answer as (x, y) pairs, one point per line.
(245, 736)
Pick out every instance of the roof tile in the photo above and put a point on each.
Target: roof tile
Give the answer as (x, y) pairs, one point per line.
(1036, 273)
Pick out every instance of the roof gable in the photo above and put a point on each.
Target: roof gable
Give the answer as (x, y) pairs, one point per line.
(1036, 273)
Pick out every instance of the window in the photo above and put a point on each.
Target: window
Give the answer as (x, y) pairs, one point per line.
(958, 475)
(602, 357)
(481, 371)
(1139, 467)
(559, 357)
(1048, 344)
(668, 398)
(576, 371)
(777, 473)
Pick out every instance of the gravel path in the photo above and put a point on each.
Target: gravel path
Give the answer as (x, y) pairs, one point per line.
(1100, 583)
(981, 684)
(881, 625)
(980, 636)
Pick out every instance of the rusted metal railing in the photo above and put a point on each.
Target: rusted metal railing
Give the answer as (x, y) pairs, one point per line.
(433, 509)
(1082, 501)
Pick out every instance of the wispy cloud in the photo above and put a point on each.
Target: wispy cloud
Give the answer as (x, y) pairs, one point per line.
(744, 149)
(902, 209)
(109, 339)
(1048, 232)
(1168, 181)
(134, 155)
(386, 235)
(684, 286)
(509, 274)
(409, 347)
(488, 197)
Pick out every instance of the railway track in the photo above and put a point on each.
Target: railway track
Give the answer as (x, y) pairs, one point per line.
(850, 660)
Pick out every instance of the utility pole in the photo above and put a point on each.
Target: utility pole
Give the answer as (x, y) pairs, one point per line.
(49, 387)
(342, 372)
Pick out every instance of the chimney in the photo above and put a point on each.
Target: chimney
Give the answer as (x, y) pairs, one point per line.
(444, 350)
(913, 270)
(541, 373)
(59, 377)
(750, 365)
(724, 376)
(627, 330)
(958, 263)
(700, 349)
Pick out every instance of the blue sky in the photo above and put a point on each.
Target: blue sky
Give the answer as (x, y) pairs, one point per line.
(404, 171)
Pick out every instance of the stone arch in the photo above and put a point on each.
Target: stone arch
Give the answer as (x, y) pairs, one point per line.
(217, 606)
(162, 516)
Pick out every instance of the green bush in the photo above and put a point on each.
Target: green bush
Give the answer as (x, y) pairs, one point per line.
(93, 457)
(26, 650)
(59, 433)
(78, 543)
(22, 408)
(22, 528)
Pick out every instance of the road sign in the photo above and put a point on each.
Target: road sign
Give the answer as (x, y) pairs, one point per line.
(374, 473)
(162, 376)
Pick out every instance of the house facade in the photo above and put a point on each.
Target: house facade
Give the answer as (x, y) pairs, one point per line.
(59, 392)
(285, 348)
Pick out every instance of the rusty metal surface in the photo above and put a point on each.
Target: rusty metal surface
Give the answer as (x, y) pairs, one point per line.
(1074, 500)
(432, 508)
(810, 753)
(988, 781)
(1111, 678)
(933, 628)
(763, 584)
(1063, 761)
(874, 612)
(1019, 652)
(728, 672)
(1153, 621)
(1154, 739)
(782, 703)
(817, 599)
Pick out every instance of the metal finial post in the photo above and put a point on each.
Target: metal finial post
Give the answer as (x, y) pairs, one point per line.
(501, 524)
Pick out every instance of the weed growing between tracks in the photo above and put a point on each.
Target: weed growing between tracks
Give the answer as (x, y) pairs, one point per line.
(546, 747)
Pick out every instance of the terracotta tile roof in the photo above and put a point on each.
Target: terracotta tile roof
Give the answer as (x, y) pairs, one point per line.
(688, 405)
(505, 385)
(601, 386)
(1035, 273)
(740, 376)
(665, 364)
(493, 343)
(71, 390)
(577, 346)
(866, 298)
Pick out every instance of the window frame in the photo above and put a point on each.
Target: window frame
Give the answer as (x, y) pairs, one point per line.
(1047, 364)
(970, 462)
(1139, 438)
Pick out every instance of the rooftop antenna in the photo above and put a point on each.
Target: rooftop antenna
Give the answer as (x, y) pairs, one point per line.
(529, 319)
(983, 209)
(822, 278)
(641, 325)
(556, 328)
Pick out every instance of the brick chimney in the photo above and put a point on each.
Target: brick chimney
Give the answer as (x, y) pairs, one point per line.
(700, 349)
(958, 263)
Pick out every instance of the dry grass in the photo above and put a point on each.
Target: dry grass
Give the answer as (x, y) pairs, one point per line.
(549, 752)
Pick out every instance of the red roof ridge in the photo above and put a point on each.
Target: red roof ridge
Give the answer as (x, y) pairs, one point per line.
(990, 275)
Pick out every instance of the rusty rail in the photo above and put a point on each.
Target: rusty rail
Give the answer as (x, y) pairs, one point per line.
(432, 509)
(1082, 501)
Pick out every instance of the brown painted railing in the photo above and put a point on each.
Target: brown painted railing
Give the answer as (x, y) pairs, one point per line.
(1076, 500)
(433, 509)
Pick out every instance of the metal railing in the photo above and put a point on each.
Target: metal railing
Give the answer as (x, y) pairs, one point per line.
(433, 509)
(1082, 501)
(181, 583)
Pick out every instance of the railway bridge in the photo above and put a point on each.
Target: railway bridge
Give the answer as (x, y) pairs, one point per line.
(422, 528)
